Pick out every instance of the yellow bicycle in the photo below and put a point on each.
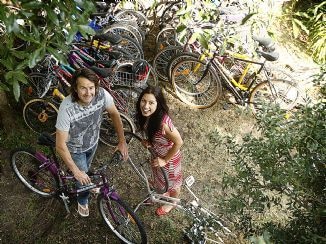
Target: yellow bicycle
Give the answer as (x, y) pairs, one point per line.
(198, 81)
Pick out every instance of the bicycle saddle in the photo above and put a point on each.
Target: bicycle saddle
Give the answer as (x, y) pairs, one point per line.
(110, 37)
(103, 72)
(107, 63)
(46, 139)
(269, 56)
(265, 42)
(115, 54)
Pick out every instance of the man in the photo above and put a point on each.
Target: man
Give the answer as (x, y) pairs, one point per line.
(78, 128)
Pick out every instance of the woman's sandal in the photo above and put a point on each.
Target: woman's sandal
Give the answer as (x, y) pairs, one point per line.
(161, 212)
(83, 210)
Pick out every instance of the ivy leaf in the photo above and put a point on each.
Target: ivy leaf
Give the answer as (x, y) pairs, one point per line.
(58, 55)
(32, 5)
(85, 29)
(35, 57)
(247, 17)
(16, 89)
(52, 16)
(203, 41)
(181, 28)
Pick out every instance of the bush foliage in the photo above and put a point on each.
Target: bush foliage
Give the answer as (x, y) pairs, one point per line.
(308, 20)
(280, 168)
(30, 29)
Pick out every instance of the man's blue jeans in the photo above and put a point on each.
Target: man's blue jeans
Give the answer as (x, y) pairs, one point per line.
(83, 161)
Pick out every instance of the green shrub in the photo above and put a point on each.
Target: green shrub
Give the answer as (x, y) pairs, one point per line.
(308, 20)
(280, 168)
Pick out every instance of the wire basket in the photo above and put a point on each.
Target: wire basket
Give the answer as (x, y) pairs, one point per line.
(122, 78)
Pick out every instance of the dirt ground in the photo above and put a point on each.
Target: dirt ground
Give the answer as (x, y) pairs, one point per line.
(26, 218)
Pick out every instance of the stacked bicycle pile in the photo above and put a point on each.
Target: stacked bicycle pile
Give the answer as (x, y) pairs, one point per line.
(232, 59)
(115, 53)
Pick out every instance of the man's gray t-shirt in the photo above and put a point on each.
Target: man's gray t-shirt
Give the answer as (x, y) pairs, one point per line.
(83, 122)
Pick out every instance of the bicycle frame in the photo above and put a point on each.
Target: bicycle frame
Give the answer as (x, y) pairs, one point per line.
(177, 203)
(65, 180)
(240, 91)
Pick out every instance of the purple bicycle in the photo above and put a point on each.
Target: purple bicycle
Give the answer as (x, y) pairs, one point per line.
(42, 174)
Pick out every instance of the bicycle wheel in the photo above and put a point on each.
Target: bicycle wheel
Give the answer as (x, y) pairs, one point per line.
(165, 38)
(134, 16)
(162, 60)
(127, 98)
(33, 173)
(178, 58)
(126, 30)
(132, 47)
(108, 134)
(122, 221)
(206, 227)
(40, 116)
(36, 87)
(281, 93)
(195, 85)
(140, 161)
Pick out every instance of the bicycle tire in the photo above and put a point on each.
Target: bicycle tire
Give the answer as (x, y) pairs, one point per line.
(126, 30)
(129, 95)
(178, 58)
(36, 87)
(40, 116)
(139, 157)
(129, 5)
(132, 47)
(32, 172)
(165, 38)
(169, 14)
(108, 134)
(192, 87)
(122, 221)
(163, 58)
(282, 93)
(133, 15)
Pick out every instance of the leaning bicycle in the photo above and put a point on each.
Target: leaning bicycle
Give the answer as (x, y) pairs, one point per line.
(42, 174)
(205, 225)
(195, 79)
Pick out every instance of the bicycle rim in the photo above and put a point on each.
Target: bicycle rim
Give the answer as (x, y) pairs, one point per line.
(178, 58)
(126, 30)
(108, 134)
(281, 93)
(140, 162)
(132, 47)
(193, 87)
(40, 116)
(127, 98)
(122, 221)
(32, 173)
(37, 87)
(162, 60)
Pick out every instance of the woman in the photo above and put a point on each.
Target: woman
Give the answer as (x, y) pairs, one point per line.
(154, 121)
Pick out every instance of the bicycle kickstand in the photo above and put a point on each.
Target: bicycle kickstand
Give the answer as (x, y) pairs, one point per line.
(65, 200)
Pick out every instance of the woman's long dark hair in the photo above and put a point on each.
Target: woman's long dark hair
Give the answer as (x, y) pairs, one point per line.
(155, 120)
